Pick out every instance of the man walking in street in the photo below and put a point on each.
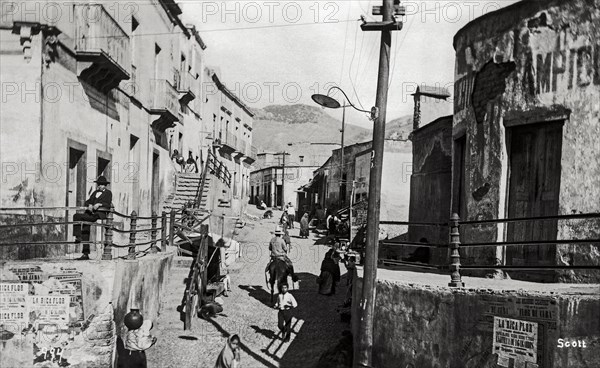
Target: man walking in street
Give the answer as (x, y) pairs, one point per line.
(285, 303)
(100, 198)
(291, 211)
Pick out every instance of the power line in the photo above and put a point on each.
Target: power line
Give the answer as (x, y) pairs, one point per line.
(398, 45)
(359, 56)
(345, 42)
(350, 71)
(225, 29)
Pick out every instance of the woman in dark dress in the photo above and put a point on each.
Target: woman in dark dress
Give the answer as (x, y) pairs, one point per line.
(304, 226)
(330, 272)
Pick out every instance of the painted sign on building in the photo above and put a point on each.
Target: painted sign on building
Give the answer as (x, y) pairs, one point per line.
(569, 62)
(515, 340)
(559, 62)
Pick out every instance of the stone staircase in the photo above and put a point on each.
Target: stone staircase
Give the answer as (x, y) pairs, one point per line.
(186, 189)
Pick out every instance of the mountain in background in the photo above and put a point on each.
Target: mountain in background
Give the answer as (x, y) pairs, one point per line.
(276, 126)
(399, 128)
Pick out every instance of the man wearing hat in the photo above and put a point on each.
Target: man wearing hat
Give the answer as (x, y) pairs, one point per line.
(279, 249)
(100, 198)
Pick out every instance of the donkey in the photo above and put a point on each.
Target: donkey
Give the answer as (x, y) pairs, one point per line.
(278, 272)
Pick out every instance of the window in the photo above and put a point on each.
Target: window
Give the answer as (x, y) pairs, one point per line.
(301, 158)
(157, 68)
(134, 24)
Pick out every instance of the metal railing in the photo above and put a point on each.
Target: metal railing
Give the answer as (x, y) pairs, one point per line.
(106, 225)
(218, 169)
(454, 245)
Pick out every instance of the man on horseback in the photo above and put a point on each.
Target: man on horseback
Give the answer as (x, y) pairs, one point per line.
(279, 249)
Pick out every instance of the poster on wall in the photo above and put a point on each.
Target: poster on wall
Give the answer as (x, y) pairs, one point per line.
(515, 340)
(13, 303)
(66, 304)
(42, 306)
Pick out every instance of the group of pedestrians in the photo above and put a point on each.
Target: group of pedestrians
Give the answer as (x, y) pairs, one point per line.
(190, 165)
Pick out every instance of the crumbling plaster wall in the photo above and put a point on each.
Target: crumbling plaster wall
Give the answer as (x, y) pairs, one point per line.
(531, 62)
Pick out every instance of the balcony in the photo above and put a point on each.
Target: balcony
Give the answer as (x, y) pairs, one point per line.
(230, 143)
(101, 48)
(183, 85)
(251, 154)
(165, 104)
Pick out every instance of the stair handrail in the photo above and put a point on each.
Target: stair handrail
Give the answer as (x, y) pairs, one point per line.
(200, 189)
(220, 170)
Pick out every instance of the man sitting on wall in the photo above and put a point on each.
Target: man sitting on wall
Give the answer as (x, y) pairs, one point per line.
(101, 197)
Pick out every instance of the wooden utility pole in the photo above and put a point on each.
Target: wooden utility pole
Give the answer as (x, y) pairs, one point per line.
(364, 340)
(284, 153)
(283, 182)
(342, 168)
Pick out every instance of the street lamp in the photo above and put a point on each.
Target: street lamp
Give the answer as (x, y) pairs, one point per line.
(332, 103)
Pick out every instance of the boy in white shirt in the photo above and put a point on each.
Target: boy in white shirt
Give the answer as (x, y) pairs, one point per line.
(285, 303)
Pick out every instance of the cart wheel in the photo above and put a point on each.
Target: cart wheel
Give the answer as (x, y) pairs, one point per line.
(190, 308)
(188, 312)
(195, 305)
(197, 298)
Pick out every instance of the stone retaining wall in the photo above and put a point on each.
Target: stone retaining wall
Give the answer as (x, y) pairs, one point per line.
(420, 323)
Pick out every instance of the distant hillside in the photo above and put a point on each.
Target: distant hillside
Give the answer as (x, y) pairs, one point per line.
(399, 128)
(277, 125)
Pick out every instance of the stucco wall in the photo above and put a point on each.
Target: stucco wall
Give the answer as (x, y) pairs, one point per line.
(531, 62)
(395, 179)
(421, 323)
(431, 185)
(74, 310)
(20, 138)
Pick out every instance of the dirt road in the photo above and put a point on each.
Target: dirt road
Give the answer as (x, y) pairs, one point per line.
(249, 313)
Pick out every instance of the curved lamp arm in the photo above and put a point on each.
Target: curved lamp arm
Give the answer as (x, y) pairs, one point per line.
(347, 99)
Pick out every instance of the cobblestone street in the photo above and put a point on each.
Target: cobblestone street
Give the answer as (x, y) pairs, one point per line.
(249, 313)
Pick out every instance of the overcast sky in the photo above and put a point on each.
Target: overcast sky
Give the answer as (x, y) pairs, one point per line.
(302, 47)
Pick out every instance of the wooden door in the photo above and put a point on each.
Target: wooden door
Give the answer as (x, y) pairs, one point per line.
(75, 186)
(534, 186)
(76, 178)
(155, 190)
(459, 198)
